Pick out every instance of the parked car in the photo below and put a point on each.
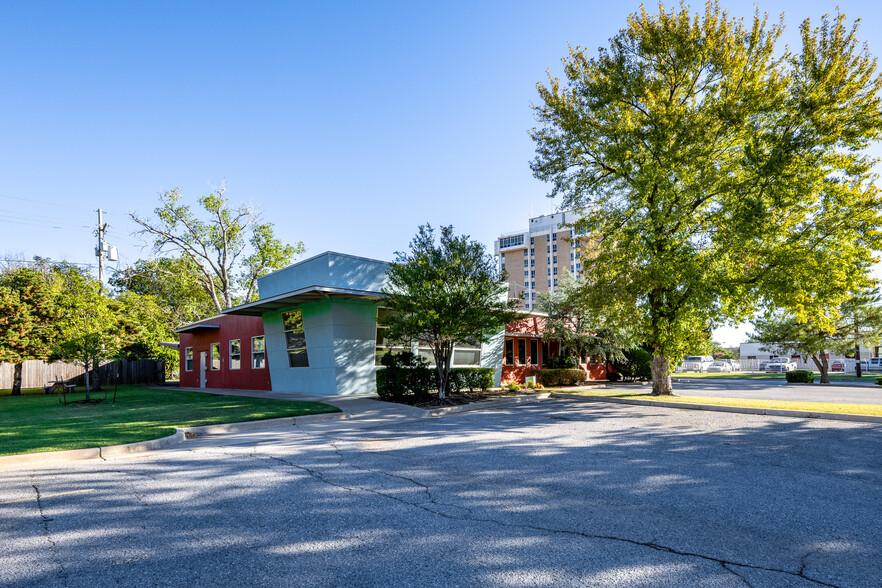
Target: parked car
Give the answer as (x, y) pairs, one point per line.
(734, 364)
(720, 366)
(779, 365)
(837, 365)
(874, 364)
(697, 363)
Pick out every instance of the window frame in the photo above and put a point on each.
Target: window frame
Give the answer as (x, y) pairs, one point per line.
(235, 357)
(261, 353)
(211, 357)
(188, 359)
(534, 352)
(295, 351)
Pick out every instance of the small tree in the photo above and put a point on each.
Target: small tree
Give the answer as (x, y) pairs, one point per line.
(781, 331)
(231, 249)
(860, 324)
(578, 326)
(90, 329)
(444, 295)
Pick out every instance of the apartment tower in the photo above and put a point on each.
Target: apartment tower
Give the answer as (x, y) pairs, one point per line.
(537, 258)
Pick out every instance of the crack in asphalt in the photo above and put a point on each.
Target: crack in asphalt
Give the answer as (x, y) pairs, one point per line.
(53, 549)
(724, 563)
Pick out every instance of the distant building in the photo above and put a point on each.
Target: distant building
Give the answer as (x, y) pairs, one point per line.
(537, 258)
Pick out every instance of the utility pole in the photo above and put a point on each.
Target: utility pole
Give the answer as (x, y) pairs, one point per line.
(103, 249)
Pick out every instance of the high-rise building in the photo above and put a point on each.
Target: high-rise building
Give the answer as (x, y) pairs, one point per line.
(536, 259)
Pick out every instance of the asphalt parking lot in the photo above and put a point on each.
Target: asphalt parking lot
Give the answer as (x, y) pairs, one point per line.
(552, 493)
(779, 389)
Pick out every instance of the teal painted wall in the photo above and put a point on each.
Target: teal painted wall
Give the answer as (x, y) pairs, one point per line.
(340, 339)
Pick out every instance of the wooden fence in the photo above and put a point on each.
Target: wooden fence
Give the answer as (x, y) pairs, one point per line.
(36, 373)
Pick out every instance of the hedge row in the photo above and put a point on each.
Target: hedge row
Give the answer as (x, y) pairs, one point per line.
(560, 377)
(800, 377)
(471, 378)
(406, 378)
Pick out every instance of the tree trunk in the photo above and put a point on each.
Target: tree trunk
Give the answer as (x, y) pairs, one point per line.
(87, 381)
(857, 358)
(825, 368)
(16, 379)
(661, 379)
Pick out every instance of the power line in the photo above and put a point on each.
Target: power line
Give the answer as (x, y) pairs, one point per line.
(42, 226)
(44, 202)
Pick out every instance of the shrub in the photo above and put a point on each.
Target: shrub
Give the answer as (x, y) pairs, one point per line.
(560, 377)
(512, 387)
(562, 362)
(471, 378)
(800, 377)
(406, 378)
(613, 377)
(636, 366)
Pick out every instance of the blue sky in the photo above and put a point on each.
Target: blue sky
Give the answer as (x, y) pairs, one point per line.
(347, 123)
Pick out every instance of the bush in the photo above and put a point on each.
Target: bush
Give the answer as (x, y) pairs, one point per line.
(562, 362)
(560, 377)
(471, 378)
(800, 377)
(406, 378)
(613, 377)
(636, 366)
(512, 387)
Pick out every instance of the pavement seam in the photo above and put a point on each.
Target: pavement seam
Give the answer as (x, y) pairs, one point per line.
(316, 474)
(53, 549)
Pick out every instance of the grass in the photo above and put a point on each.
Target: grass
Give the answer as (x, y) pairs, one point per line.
(868, 378)
(865, 409)
(34, 423)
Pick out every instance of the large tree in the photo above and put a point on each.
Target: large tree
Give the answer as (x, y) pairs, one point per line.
(28, 316)
(715, 171)
(445, 292)
(231, 247)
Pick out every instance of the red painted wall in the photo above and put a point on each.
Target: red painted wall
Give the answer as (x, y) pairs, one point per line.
(231, 327)
(531, 328)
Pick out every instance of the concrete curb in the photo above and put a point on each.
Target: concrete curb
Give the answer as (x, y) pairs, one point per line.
(485, 404)
(864, 418)
(20, 461)
(816, 384)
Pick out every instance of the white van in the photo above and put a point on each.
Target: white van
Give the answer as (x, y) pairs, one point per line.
(697, 363)
(874, 364)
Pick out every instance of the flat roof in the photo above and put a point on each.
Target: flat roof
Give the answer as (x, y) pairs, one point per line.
(295, 297)
(196, 327)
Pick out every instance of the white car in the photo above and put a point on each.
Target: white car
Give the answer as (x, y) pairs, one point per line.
(734, 364)
(779, 365)
(874, 364)
(697, 363)
(721, 366)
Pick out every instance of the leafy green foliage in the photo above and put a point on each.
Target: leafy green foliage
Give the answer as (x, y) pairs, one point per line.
(800, 377)
(704, 161)
(406, 378)
(562, 362)
(471, 379)
(580, 326)
(635, 365)
(443, 294)
(560, 377)
(230, 248)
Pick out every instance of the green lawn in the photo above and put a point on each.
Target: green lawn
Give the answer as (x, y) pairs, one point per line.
(33, 423)
(868, 409)
(868, 378)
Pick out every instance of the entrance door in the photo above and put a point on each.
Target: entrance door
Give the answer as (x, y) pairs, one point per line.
(203, 368)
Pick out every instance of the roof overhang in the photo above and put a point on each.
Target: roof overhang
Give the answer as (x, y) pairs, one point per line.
(194, 327)
(296, 297)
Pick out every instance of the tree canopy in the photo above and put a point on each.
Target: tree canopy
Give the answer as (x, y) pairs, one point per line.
(715, 172)
(445, 292)
(231, 247)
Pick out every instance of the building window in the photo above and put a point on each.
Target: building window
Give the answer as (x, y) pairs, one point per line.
(533, 274)
(554, 237)
(215, 356)
(502, 267)
(522, 352)
(544, 352)
(188, 359)
(511, 241)
(533, 297)
(549, 261)
(571, 256)
(258, 352)
(548, 249)
(468, 354)
(555, 282)
(383, 343)
(235, 354)
(534, 352)
(549, 282)
(578, 267)
(295, 338)
(509, 352)
(526, 274)
(555, 271)
(532, 263)
(555, 259)
(525, 262)
(554, 248)
(533, 285)
(532, 239)
(532, 251)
